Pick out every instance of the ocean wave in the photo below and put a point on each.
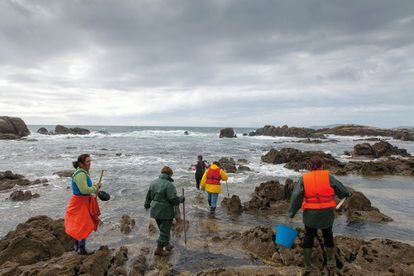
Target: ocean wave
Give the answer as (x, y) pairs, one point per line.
(133, 134)
(273, 138)
(273, 170)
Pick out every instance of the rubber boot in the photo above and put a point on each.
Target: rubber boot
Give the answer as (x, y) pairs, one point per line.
(83, 251)
(209, 202)
(161, 252)
(307, 264)
(330, 260)
(169, 247)
(212, 210)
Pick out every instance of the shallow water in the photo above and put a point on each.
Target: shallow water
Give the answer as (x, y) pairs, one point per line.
(145, 150)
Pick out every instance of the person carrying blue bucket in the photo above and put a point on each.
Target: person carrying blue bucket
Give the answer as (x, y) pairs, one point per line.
(315, 194)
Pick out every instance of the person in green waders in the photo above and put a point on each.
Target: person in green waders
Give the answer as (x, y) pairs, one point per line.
(161, 198)
(315, 194)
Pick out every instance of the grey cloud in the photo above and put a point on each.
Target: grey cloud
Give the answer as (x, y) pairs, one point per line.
(257, 55)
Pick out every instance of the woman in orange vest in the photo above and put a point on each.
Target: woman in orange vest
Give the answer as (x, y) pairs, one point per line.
(211, 183)
(82, 213)
(315, 194)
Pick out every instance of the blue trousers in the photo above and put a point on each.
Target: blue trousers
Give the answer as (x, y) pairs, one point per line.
(212, 199)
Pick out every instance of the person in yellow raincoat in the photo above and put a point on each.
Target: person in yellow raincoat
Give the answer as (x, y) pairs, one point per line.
(211, 184)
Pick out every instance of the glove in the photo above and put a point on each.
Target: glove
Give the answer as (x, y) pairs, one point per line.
(182, 199)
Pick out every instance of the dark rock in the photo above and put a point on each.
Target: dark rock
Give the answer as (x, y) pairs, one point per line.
(59, 129)
(286, 131)
(363, 149)
(152, 229)
(66, 173)
(12, 128)
(80, 131)
(22, 195)
(38, 239)
(227, 133)
(243, 168)
(242, 161)
(358, 130)
(245, 134)
(269, 195)
(186, 132)
(298, 160)
(389, 166)
(228, 164)
(384, 148)
(358, 208)
(9, 136)
(40, 181)
(8, 180)
(378, 150)
(127, 224)
(104, 132)
(233, 204)
(43, 131)
(139, 266)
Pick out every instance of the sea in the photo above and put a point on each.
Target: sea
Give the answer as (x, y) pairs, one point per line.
(133, 156)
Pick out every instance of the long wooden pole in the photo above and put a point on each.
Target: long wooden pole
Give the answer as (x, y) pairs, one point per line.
(184, 222)
(227, 186)
(340, 204)
(100, 178)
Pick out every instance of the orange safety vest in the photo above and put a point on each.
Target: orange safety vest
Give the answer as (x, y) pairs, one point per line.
(213, 177)
(318, 191)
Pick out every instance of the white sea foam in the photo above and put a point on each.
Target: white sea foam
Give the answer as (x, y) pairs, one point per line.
(273, 170)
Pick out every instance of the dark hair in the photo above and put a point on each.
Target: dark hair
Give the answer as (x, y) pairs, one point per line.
(81, 159)
(216, 163)
(167, 170)
(200, 157)
(316, 162)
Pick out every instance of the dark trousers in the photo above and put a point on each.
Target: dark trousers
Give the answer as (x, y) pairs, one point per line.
(311, 233)
(198, 180)
(164, 225)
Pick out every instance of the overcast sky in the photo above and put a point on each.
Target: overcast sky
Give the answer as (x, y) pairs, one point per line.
(208, 63)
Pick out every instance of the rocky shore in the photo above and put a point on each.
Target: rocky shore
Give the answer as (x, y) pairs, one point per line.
(342, 130)
(299, 160)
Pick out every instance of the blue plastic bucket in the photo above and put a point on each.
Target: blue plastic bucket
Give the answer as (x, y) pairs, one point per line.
(285, 235)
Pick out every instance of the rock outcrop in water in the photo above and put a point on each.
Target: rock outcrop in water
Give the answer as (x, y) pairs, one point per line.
(233, 204)
(22, 195)
(12, 128)
(342, 130)
(9, 180)
(286, 131)
(227, 133)
(65, 173)
(389, 166)
(127, 224)
(59, 129)
(377, 150)
(299, 160)
(228, 164)
(271, 196)
(358, 130)
(358, 208)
